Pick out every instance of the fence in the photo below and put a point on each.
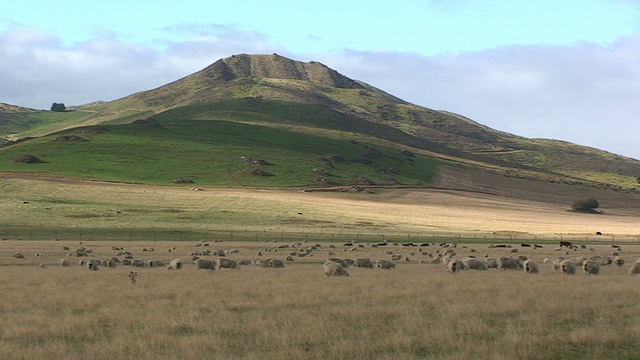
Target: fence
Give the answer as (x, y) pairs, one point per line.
(13, 232)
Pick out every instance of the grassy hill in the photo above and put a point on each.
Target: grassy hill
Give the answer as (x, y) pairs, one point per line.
(268, 106)
(222, 147)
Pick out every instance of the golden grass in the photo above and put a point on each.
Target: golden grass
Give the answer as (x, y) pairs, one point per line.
(425, 212)
(416, 311)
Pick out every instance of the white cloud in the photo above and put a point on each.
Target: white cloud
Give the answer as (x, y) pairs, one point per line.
(41, 70)
(584, 93)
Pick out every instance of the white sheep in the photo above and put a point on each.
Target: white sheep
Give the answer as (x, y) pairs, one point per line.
(385, 264)
(363, 263)
(618, 260)
(205, 264)
(568, 267)
(474, 264)
(332, 268)
(590, 267)
(275, 263)
(454, 266)
(635, 268)
(492, 263)
(93, 264)
(225, 263)
(530, 266)
(504, 263)
(175, 264)
(64, 262)
(556, 263)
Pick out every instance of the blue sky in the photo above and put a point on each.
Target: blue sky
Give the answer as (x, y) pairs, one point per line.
(563, 69)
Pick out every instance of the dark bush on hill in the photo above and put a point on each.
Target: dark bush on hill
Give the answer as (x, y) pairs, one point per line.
(26, 158)
(256, 172)
(69, 138)
(586, 205)
(58, 107)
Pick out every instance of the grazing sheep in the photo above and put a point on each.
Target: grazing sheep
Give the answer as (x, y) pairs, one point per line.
(205, 264)
(385, 265)
(93, 265)
(126, 262)
(155, 263)
(579, 261)
(332, 268)
(618, 260)
(225, 263)
(474, 264)
(111, 264)
(275, 264)
(556, 263)
(17, 256)
(339, 261)
(245, 262)
(349, 262)
(504, 263)
(138, 263)
(590, 267)
(42, 266)
(455, 265)
(289, 258)
(396, 257)
(491, 262)
(363, 263)
(568, 267)
(530, 266)
(605, 260)
(64, 262)
(635, 268)
(175, 264)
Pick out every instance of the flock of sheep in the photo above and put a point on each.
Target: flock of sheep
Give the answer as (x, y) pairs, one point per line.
(446, 254)
(589, 265)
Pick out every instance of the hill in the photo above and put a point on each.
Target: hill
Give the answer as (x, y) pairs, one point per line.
(251, 97)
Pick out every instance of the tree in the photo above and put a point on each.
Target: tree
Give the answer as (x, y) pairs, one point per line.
(586, 205)
(58, 107)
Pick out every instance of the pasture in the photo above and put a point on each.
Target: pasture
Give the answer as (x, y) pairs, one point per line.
(415, 311)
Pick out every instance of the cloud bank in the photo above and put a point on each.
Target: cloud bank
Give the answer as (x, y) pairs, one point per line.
(584, 93)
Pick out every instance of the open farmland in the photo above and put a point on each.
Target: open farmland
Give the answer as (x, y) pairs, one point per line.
(48, 208)
(415, 311)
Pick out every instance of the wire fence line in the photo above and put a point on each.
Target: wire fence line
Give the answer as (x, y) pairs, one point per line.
(115, 233)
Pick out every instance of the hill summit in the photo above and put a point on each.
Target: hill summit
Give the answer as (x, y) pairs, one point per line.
(276, 67)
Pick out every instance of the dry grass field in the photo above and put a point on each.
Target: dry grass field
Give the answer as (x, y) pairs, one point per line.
(415, 311)
(501, 208)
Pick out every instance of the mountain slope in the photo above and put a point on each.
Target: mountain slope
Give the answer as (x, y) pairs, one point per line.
(276, 92)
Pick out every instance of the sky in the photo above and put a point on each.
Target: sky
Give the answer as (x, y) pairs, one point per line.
(557, 69)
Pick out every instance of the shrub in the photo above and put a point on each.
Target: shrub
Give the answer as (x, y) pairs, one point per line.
(585, 205)
(58, 107)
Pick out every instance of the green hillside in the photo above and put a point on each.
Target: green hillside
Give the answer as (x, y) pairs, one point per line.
(215, 147)
(287, 99)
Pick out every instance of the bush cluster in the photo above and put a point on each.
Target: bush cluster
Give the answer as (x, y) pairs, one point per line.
(585, 205)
